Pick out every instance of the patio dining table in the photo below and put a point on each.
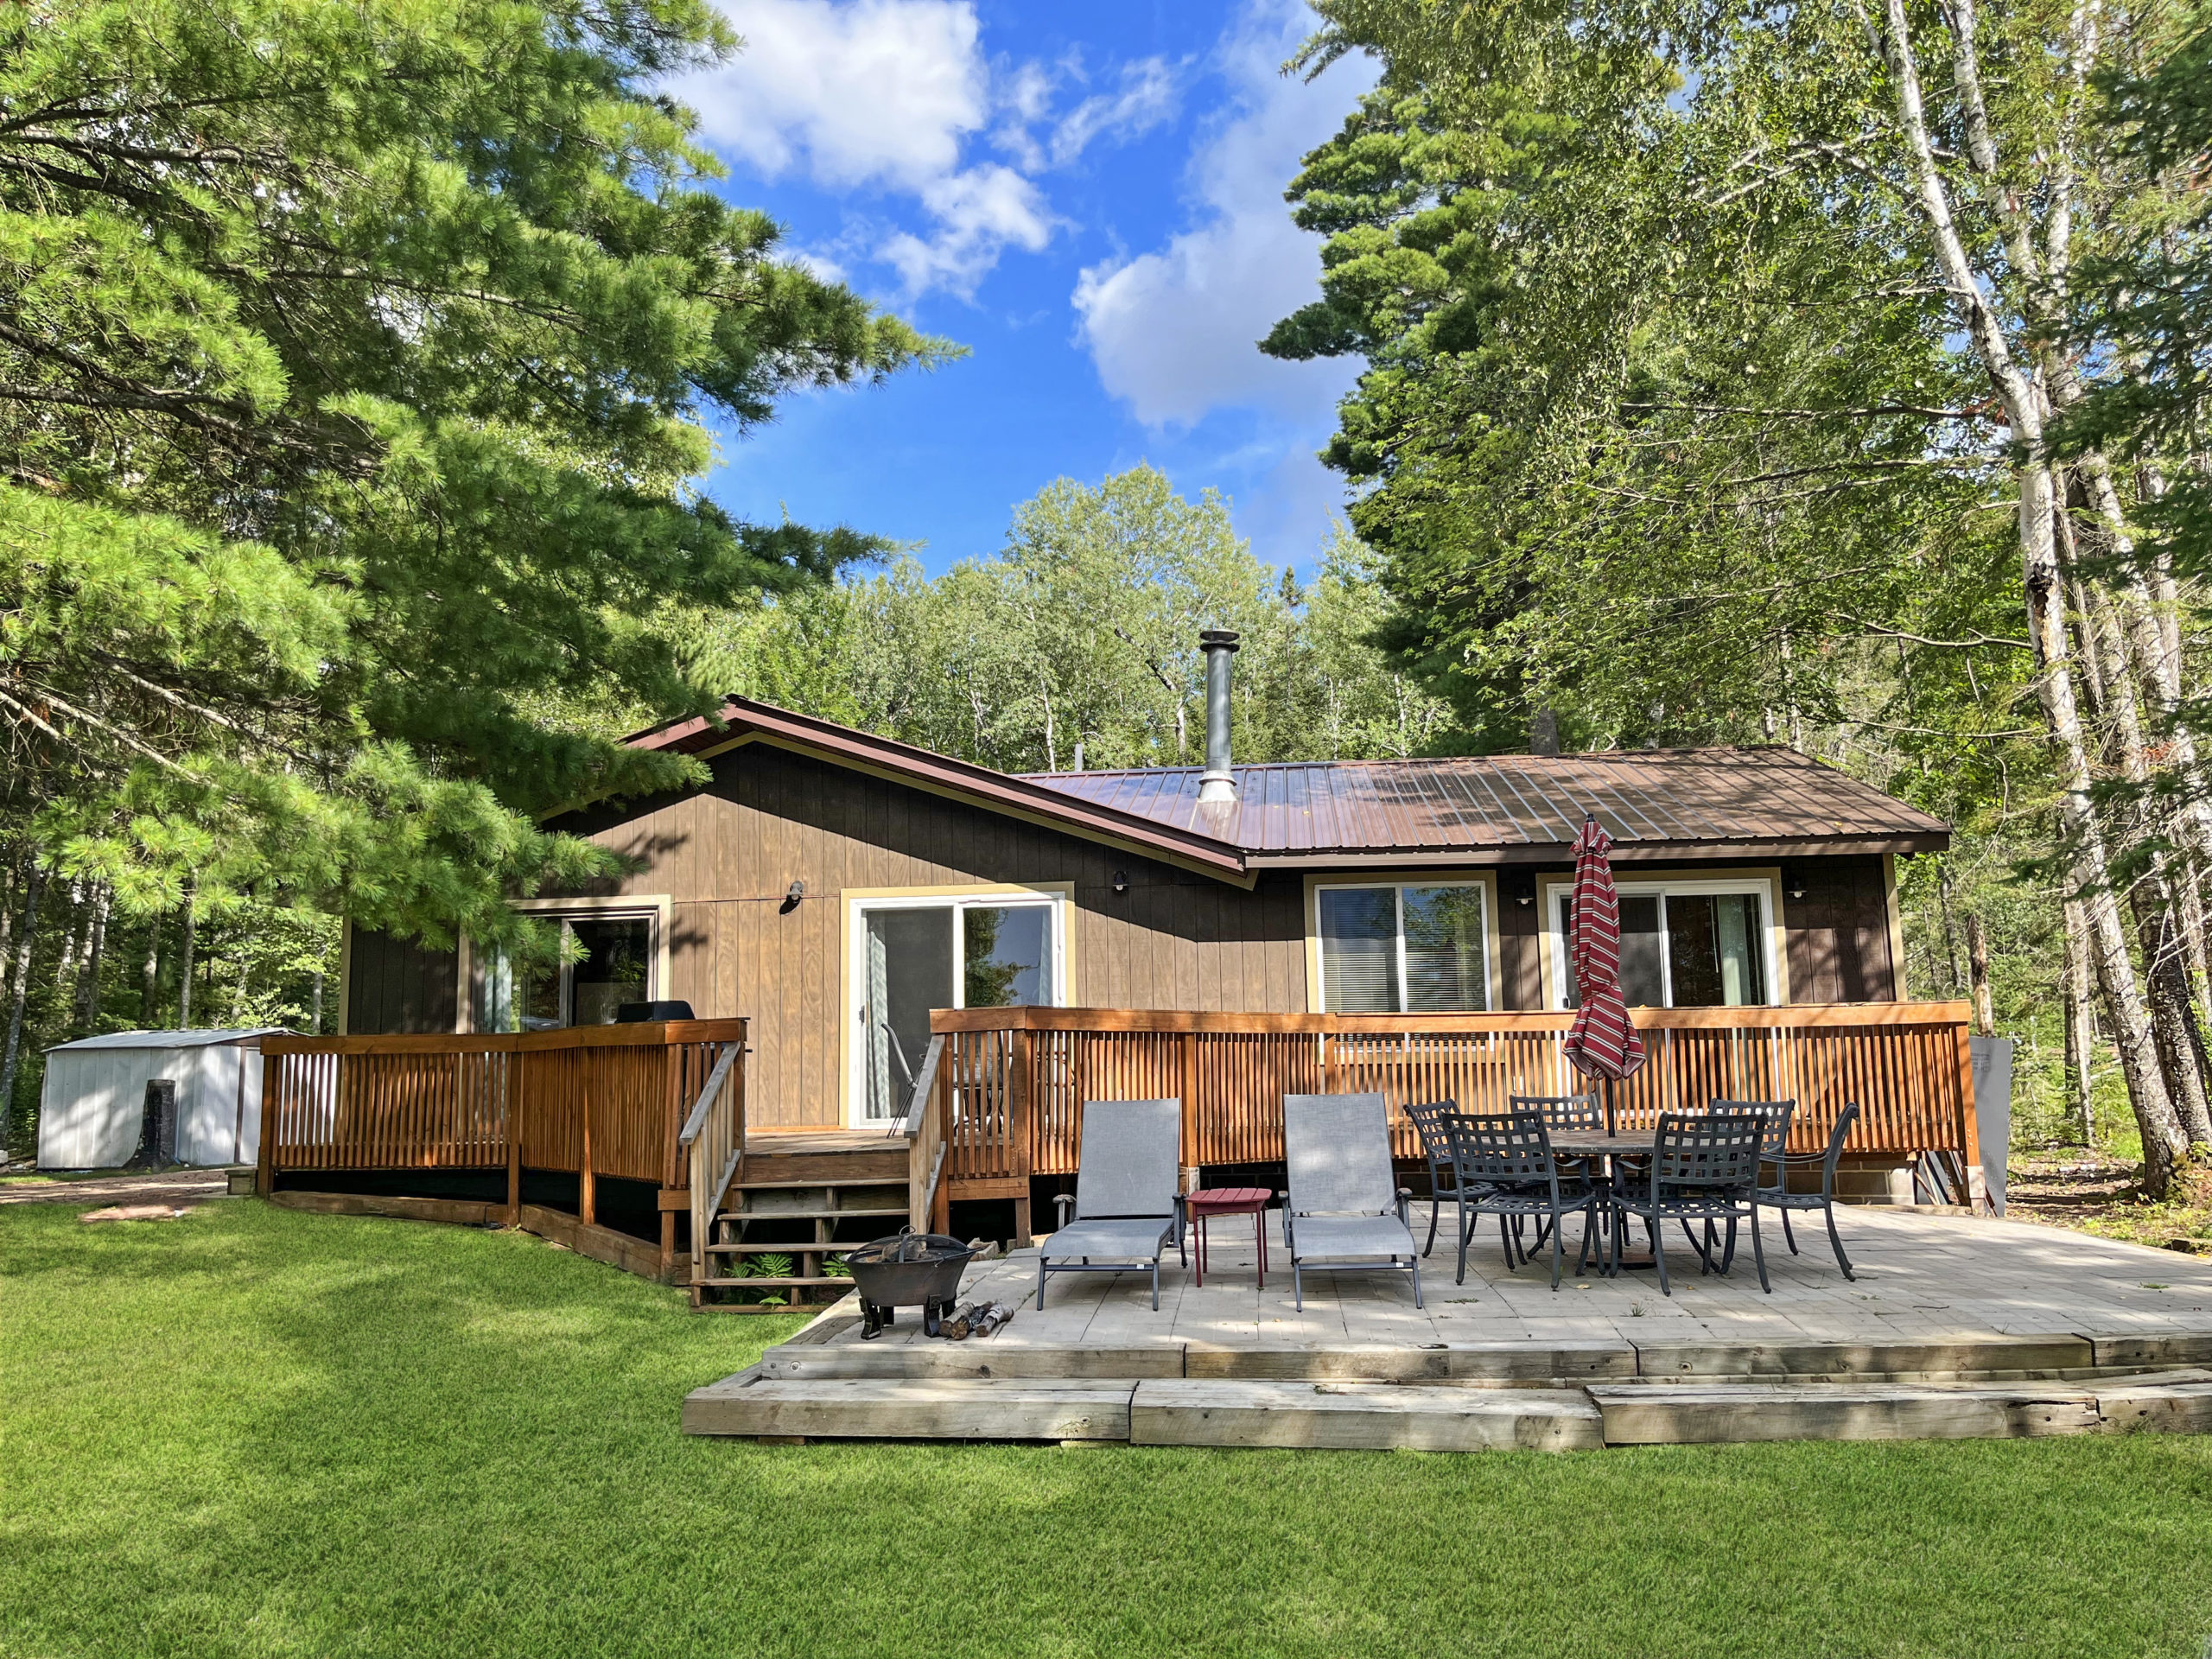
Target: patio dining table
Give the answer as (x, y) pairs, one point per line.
(1579, 1145)
(1590, 1143)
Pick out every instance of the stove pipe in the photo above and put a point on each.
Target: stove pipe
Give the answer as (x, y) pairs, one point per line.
(1217, 782)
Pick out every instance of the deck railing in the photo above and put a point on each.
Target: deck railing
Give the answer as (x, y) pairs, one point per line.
(1011, 1082)
(712, 1145)
(592, 1101)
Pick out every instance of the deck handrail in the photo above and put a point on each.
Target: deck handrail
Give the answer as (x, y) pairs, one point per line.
(713, 1141)
(924, 1126)
(1015, 1079)
(1807, 1014)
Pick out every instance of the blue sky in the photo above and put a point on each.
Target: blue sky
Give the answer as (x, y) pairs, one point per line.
(1089, 196)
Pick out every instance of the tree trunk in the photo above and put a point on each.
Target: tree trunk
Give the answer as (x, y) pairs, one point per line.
(2172, 1003)
(72, 911)
(1956, 980)
(2081, 834)
(315, 1008)
(26, 938)
(88, 981)
(150, 983)
(6, 922)
(1985, 1015)
(184, 970)
(2081, 1032)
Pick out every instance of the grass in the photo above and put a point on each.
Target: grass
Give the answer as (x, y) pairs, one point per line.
(254, 1432)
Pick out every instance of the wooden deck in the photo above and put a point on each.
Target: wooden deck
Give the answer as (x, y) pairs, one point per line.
(1955, 1327)
(1005, 1087)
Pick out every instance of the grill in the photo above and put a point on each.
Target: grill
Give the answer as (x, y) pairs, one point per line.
(910, 1270)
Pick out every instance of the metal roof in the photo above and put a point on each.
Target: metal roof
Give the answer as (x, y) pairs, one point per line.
(1654, 802)
(1658, 804)
(169, 1039)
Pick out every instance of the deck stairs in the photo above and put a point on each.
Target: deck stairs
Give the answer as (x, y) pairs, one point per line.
(800, 1200)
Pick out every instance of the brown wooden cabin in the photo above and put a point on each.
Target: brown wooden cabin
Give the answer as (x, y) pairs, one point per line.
(853, 899)
(835, 887)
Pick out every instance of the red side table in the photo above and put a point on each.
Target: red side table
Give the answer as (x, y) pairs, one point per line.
(1230, 1201)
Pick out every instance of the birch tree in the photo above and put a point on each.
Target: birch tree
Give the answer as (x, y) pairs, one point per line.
(1840, 238)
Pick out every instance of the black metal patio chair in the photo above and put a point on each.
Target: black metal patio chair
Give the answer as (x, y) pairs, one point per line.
(1436, 1146)
(1569, 1112)
(1506, 1169)
(1703, 1167)
(1778, 1196)
(1774, 1146)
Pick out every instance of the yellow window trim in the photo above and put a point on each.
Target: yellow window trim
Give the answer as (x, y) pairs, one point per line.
(1486, 880)
(1062, 891)
(1770, 876)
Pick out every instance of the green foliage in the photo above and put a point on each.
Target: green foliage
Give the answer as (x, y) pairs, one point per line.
(1658, 435)
(357, 370)
(2148, 301)
(1084, 630)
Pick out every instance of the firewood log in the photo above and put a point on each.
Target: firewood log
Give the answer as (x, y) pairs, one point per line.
(993, 1318)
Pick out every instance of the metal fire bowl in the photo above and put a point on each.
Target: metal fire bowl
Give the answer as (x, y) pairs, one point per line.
(935, 1277)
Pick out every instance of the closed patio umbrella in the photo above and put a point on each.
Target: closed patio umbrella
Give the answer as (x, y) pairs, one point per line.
(1602, 1043)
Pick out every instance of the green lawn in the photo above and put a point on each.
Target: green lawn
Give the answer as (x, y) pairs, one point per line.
(255, 1432)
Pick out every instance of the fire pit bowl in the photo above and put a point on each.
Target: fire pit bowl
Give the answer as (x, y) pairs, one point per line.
(911, 1270)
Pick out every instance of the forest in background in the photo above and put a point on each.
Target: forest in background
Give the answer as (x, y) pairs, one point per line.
(1834, 378)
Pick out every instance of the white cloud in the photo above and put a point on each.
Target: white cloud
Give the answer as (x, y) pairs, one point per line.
(872, 92)
(885, 96)
(1146, 98)
(1172, 332)
(977, 214)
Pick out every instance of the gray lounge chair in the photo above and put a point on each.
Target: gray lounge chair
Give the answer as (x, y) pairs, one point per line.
(1345, 1209)
(1127, 1207)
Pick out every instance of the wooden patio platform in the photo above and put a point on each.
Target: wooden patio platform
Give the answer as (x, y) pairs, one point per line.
(1955, 1327)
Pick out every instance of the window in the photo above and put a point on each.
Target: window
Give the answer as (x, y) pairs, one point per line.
(914, 955)
(616, 965)
(1696, 944)
(1403, 949)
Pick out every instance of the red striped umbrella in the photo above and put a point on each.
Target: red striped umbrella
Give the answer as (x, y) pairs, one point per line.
(1602, 1043)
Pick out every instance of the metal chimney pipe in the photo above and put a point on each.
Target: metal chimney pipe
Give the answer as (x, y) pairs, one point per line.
(1217, 782)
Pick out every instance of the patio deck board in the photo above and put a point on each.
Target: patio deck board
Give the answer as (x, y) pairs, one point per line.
(1922, 1279)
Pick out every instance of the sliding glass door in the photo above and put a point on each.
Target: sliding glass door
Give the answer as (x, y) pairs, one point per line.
(913, 956)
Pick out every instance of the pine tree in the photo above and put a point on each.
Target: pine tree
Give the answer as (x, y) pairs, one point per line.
(357, 365)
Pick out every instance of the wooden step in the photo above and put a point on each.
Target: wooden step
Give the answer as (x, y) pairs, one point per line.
(816, 1185)
(1655, 1414)
(826, 1169)
(978, 1356)
(898, 1214)
(1361, 1416)
(910, 1409)
(1994, 1357)
(1506, 1360)
(807, 1248)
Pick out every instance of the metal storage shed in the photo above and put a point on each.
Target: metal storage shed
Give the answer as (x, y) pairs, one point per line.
(94, 1104)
